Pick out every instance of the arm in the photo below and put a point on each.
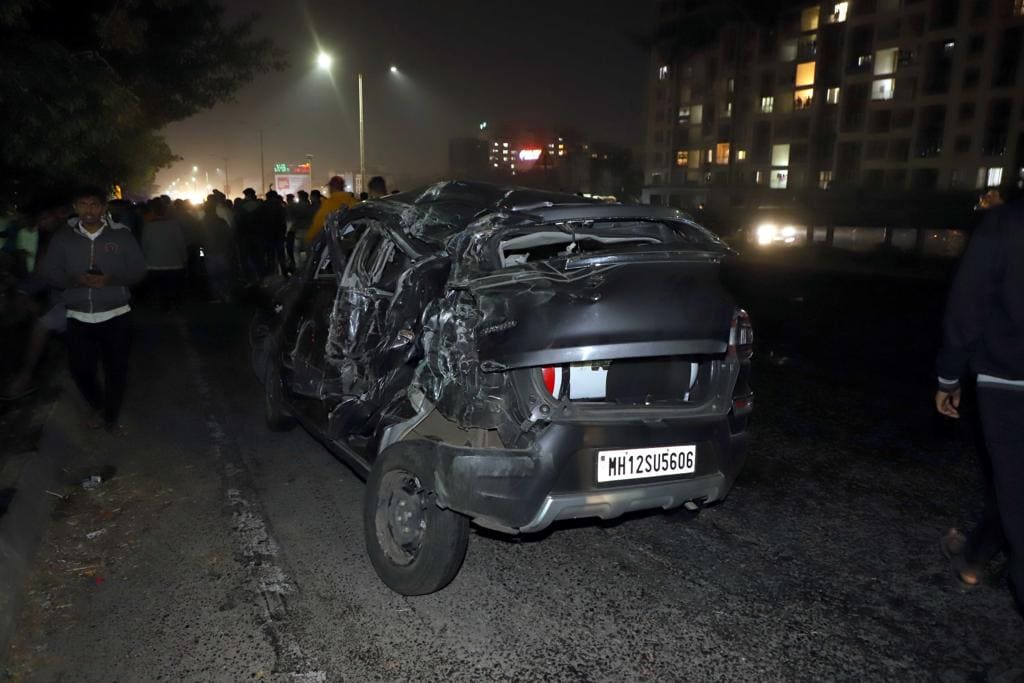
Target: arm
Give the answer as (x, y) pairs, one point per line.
(53, 268)
(969, 302)
(318, 223)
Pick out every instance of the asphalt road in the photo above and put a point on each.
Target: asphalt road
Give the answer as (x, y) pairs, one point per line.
(227, 552)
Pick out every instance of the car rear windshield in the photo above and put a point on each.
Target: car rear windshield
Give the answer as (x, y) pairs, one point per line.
(561, 240)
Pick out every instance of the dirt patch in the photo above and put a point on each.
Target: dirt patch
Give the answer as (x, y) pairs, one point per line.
(94, 533)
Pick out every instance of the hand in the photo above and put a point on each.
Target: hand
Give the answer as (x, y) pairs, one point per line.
(948, 403)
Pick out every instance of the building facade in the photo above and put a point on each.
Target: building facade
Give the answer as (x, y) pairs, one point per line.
(853, 98)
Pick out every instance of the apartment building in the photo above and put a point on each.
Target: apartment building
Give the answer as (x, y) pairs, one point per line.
(855, 98)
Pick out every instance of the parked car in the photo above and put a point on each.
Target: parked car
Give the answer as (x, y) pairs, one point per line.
(510, 358)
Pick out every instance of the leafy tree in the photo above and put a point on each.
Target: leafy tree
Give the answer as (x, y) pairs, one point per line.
(88, 85)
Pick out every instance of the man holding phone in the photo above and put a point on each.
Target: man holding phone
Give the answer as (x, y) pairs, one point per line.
(93, 261)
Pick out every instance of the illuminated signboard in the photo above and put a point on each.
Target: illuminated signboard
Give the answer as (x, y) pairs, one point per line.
(529, 154)
(292, 169)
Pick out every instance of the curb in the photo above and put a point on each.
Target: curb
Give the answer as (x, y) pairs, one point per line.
(22, 526)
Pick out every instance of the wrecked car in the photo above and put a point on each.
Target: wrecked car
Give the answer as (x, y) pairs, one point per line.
(509, 358)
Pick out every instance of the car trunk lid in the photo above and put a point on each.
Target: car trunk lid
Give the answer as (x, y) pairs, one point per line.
(631, 303)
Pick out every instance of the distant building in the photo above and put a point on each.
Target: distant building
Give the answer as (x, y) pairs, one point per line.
(549, 159)
(850, 98)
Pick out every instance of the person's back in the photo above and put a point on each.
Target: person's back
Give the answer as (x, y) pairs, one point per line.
(992, 271)
(163, 244)
(339, 199)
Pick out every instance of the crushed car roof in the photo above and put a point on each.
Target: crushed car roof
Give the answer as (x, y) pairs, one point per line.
(435, 213)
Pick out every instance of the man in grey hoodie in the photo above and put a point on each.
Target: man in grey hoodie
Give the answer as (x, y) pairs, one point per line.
(93, 261)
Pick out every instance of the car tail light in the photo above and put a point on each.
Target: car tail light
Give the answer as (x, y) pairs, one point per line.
(741, 336)
(552, 376)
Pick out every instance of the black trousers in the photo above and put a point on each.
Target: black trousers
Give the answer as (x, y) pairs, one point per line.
(106, 343)
(1002, 521)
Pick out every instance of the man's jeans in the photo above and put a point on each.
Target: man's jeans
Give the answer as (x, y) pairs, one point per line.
(1002, 522)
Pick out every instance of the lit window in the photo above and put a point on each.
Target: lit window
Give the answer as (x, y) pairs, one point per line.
(995, 177)
(711, 155)
(767, 105)
(1018, 8)
(804, 74)
(865, 60)
(779, 179)
(802, 99)
(682, 157)
(694, 158)
(809, 19)
(662, 73)
(722, 153)
(728, 110)
(731, 85)
(839, 11)
(684, 114)
(885, 61)
(832, 95)
(504, 144)
(824, 179)
(883, 89)
(780, 155)
(697, 113)
(787, 51)
(759, 177)
(741, 155)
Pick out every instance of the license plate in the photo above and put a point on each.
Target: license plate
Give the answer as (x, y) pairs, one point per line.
(643, 463)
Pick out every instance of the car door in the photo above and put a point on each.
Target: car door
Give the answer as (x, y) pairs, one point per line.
(359, 324)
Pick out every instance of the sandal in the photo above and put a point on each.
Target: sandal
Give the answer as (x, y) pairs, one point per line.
(952, 545)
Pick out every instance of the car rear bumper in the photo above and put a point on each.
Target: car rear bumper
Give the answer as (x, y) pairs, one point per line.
(522, 491)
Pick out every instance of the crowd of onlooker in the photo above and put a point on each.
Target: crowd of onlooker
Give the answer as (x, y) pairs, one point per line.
(208, 252)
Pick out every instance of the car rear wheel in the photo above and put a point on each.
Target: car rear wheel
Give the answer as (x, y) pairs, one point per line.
(278, 419)
(415, 546)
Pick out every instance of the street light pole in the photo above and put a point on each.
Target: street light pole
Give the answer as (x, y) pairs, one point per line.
(362, 139)
(263, 178)
(309, 164)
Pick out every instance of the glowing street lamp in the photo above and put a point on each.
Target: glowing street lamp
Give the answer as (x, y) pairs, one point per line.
(324, 61)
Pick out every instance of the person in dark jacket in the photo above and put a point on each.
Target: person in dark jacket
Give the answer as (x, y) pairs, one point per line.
(271, 220)
(93, 261)
(984, 331)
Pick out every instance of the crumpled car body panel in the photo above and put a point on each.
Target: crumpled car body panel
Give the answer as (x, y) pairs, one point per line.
(423, 322)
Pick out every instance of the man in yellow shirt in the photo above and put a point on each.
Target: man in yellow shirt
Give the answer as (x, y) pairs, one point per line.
(338, 199)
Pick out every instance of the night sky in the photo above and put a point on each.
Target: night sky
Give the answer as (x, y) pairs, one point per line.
(574, 63)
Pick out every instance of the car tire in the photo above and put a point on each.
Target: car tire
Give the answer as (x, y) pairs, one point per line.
(415, 546)
(259, 337)
(278, 419)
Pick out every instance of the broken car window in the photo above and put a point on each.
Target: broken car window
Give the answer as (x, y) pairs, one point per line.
(540, 243)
